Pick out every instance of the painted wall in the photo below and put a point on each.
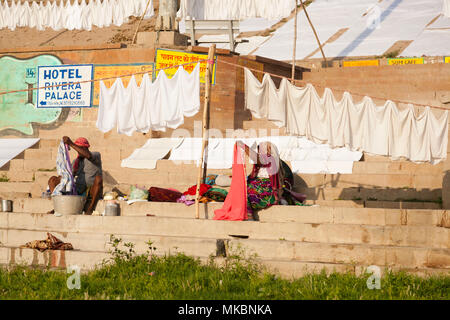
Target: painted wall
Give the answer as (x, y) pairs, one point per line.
(18, 110)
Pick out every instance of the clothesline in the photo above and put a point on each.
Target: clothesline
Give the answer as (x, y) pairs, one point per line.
(229, 63)
(103, 79)
(341, 90)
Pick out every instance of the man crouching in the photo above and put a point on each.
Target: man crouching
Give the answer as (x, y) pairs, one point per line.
(87, 172)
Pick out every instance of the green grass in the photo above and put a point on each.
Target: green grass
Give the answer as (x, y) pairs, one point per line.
(4, 178)
(129, 276)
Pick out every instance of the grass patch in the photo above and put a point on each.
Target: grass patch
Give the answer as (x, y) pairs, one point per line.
(4, 178)
(130, 276)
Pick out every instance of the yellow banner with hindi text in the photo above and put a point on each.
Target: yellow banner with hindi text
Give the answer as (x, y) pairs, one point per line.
(168, 58)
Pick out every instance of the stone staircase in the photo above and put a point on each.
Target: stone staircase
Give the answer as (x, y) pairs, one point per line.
(386, 213)
(288, 240)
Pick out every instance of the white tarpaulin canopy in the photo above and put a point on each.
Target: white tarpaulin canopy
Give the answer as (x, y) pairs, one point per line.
(446, 8)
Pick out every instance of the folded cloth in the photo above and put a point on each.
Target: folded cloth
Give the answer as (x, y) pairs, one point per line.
(51, 243)
(163, 195)
(223, 180)
(193, 190)
(210, 179)
(216, 194)
(183, 199)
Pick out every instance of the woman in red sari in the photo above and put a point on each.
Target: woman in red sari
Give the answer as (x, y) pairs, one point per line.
(261, 189)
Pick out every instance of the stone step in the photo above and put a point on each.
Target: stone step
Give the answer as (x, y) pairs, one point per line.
(11, 195)
(13, 190)
(88, 260)
(390, 235)
(325, 212)
(374, 194)
(23, 169)
(359, 254)
(313, 193)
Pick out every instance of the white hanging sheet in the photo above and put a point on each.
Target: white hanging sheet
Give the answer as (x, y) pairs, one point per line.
(235, 9)
(150, 106)
(71, 15)
(380, 130)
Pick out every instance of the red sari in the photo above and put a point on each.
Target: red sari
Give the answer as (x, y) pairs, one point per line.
(235, 205)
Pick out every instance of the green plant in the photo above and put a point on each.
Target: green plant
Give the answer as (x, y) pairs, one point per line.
(4, 178)
(181, 277)
(119, 255)
(392, 54)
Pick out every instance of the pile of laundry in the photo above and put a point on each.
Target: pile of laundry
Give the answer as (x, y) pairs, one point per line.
(235, 9)
(150, 106)
(51, 243)
(213, 189)
(381, 130)
(71, 16)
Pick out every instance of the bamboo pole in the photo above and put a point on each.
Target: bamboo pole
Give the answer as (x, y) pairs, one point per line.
(295, 42)
(315, 33)
(201, 172)
(139, 24)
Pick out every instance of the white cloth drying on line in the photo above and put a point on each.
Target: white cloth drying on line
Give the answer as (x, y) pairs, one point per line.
(235, 9)
(150, 106)
(380, 130)
(446, 8)
(305, 156)
(71, 16)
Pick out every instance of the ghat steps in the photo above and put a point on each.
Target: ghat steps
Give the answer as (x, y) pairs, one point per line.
(357, 219)
(286, 239)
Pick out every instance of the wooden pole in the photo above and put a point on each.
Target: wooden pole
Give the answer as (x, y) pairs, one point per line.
(139, 24)
(295, 42)
(315, 33)
(209, 69)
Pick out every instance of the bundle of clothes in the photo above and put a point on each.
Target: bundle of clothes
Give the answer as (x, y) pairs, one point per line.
(212, 190)
(51, 243)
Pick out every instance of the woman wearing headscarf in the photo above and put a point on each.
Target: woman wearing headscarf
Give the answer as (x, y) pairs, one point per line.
(263, 188)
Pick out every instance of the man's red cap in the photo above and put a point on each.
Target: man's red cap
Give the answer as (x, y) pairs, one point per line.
(82, 142)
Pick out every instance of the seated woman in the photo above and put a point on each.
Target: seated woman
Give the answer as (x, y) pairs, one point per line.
(268, 184)
(265, 183)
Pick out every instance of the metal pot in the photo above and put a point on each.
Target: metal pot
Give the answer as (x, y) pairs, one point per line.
(7, 205)
(112, 209)
(68, 204)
